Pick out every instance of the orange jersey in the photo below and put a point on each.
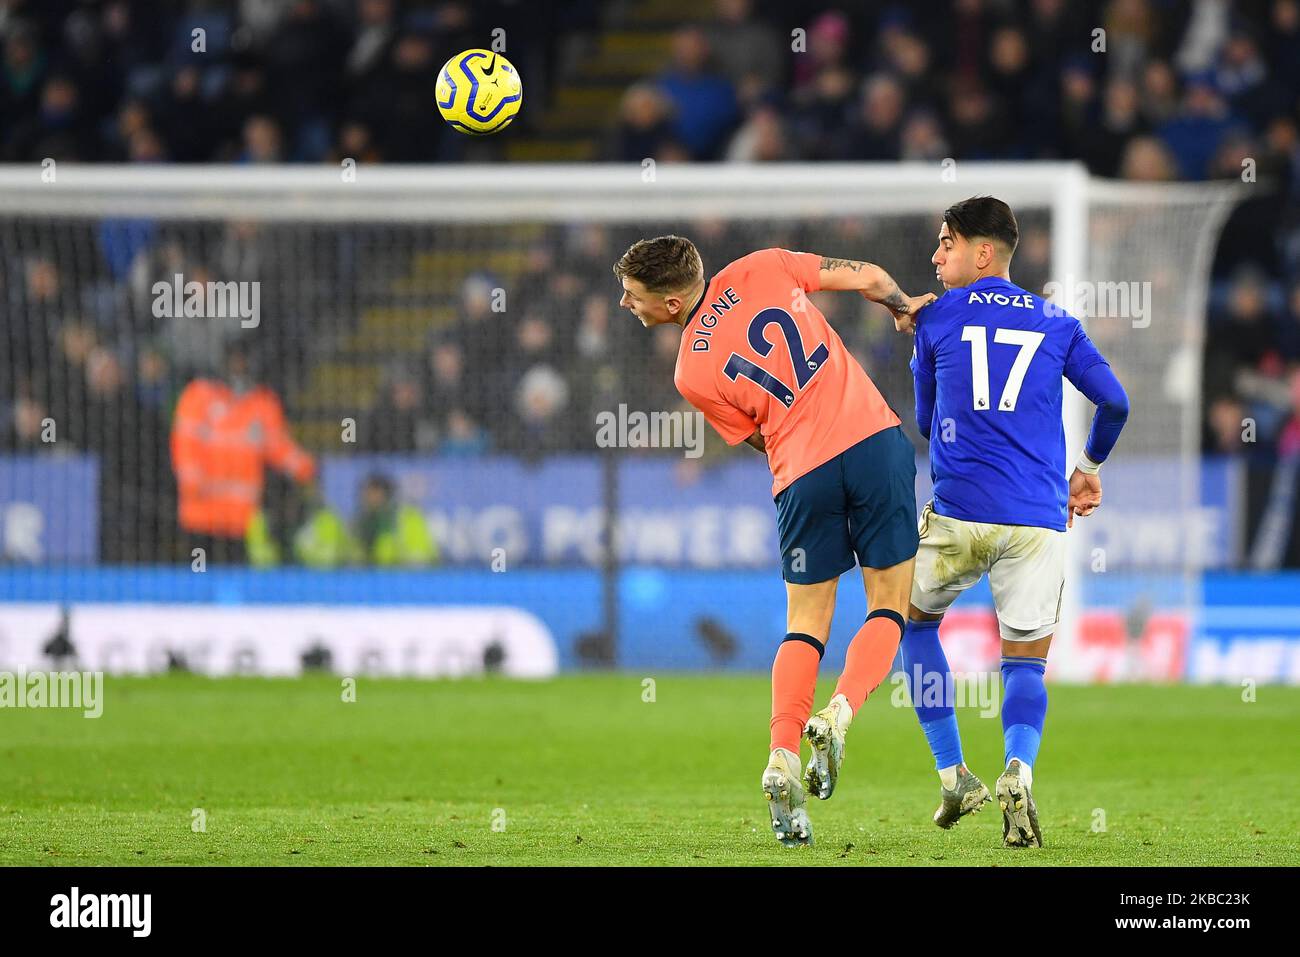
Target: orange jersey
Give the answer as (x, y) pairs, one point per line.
(756, 354)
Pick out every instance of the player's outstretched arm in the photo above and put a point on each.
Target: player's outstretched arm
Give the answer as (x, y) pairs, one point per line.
(874, 284)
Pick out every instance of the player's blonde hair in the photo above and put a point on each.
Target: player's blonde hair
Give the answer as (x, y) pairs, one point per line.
(664, 264)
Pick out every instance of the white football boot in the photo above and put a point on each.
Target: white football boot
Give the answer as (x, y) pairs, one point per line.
(785, 799)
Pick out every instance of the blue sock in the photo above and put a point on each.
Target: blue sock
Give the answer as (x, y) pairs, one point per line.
(1024, 706)
(923, 656)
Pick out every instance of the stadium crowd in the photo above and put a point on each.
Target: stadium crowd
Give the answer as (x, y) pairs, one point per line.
(1176, 90)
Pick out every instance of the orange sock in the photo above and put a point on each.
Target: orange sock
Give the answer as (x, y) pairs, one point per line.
(794, 682)
(870, 656)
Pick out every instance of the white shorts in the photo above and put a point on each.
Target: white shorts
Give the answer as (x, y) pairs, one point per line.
(1025, 565)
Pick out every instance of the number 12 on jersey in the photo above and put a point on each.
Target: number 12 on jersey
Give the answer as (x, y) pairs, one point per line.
(805, 366)
(977, 336)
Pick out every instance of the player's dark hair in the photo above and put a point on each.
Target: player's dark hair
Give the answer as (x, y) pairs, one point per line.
(664, 264)
(983, 217)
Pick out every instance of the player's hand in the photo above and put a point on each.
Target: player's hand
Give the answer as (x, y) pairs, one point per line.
(905, 318)
(1085, 496)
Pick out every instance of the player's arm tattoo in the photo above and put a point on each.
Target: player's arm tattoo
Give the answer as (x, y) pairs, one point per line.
(885, 291)
(851, 264)
(895, 301)
(756, 440)
(871, 281)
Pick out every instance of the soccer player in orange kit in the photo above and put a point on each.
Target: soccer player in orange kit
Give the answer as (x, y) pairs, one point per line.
(765, 367)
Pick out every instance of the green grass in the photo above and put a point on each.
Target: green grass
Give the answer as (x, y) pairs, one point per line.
(584, 772)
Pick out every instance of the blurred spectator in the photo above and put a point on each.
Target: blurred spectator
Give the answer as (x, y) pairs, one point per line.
(478, 330)
(1283, 39)
(462, 436)
(826, 46)
(195, 343)
(64, 384)
(922, 138)
(295, 527)
(532, 371)
(908, 57)
(1011, 78)
(398, 96)
(978, 128)
(302, 67)
(391, 533)
(373, 37)
(457, 409)
(1245, 363)
(37, 302)
(153, 383)
(1241, 76)
(262, 142)
(225, 433)
(1194, 134)
(747, 49)
(762, 139)
(876, 133)
(1120, 121)
(1247, 333)
(965, 37)
(58, 129)
(189, 124)
(1227, 422)
(24, 65)
(1132, 29)
(1146, 159)
(1159, 93)
(130, 443)
(539, 424)
(644, 124)
(244, 95)
(821, 108)
(704, 103)
(1077, 111)
(356, 141)
(23, 425)
(446, 384)
(400, 422)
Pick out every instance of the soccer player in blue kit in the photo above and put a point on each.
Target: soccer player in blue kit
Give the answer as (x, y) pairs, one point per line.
(987, 368)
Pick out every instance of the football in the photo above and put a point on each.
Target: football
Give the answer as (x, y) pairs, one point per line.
(479, 92)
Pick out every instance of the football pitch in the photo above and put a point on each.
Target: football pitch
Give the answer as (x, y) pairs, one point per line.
(582, 770)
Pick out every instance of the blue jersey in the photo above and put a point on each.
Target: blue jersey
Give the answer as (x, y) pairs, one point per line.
(988, 365)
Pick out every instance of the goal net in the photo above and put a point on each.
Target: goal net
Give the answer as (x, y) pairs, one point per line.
(447, 342)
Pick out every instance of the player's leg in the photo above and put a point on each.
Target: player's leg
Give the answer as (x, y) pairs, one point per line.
(879, 483)
(794, 670)
(1024, 708)
(947, 563)
(1028, 580)
(815, 552)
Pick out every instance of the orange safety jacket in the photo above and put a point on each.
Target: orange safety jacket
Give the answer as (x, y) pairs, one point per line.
(221, 443)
